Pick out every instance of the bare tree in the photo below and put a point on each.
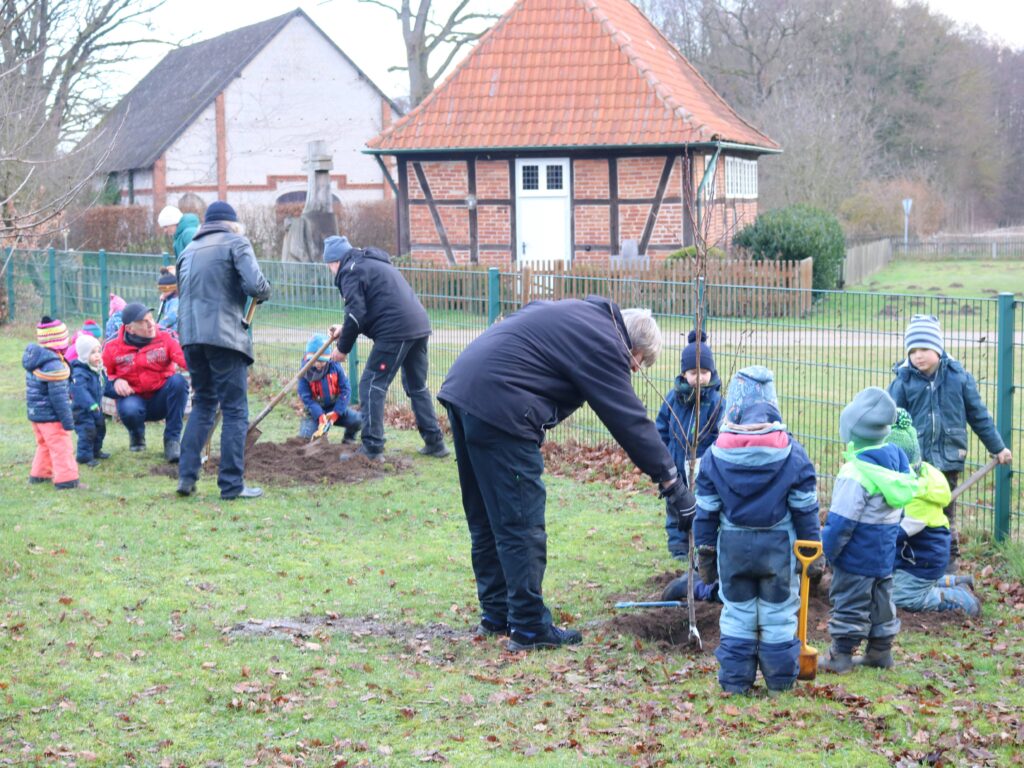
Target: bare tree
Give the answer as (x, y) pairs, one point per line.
(430, 35)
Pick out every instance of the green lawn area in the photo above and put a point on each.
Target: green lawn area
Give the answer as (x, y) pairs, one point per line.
(117, 605)
(964, 278)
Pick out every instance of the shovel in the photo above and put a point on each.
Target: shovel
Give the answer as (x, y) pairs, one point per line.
(249, 313)
(648, 604)
(808, 655)
(973, 479)
(253, 433)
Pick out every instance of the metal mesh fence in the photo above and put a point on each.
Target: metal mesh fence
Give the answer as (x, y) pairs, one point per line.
(821, 356)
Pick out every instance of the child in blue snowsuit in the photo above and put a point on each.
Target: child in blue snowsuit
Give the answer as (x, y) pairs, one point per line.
(167, 284)
(920, 582)
(756, 495)
(688, 429)
(859, 538)
(86, 391)
(325, 392)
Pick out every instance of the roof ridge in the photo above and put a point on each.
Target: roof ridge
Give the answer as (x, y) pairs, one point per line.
(625, 44)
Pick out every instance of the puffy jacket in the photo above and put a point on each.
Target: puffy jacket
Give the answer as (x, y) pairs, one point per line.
(868, 497)
(755, 478)
(47, 397)
(188, 225)
(676, 422)
(379, 303)
(86, 389)
(922, 544)
(527, 373)
(169, 313)
(941, 408)
(325, 390)
(216, 274)
(114, 324)
(145, 369)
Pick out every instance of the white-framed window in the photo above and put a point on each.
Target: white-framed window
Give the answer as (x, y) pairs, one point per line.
(740, 177)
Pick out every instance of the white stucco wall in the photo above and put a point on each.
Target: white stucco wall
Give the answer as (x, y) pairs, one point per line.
(192, 158)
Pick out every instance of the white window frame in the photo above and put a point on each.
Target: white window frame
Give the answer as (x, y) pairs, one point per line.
(542, 180)
(740, 178)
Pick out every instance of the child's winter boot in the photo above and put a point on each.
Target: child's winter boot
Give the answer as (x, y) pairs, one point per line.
(840, 656)
(959, 599)
(877, 655)
(957, 581)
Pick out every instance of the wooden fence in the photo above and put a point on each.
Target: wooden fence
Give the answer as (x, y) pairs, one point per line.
(950, 250)
(864, 260)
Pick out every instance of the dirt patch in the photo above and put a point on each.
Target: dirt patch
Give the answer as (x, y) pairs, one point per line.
(671, 625)
(306, 627)
(296, 461)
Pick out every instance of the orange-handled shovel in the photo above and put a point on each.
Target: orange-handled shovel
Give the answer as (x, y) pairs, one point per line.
(806, 552)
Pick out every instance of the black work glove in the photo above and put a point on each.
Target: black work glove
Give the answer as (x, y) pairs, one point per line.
(679, 503)
(707, 563)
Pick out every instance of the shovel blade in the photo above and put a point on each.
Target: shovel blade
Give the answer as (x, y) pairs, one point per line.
(808, 663)
(315, 446)
(251, 436)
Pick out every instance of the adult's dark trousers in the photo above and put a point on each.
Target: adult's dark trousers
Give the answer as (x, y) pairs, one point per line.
(503, 497)
(167, 404)
(219, 376)
(384, 362)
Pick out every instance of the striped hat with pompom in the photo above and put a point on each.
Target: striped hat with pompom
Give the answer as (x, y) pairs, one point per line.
(52, 334)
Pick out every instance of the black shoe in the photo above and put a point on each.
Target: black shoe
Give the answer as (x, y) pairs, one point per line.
(172, 451)
(91, 463)
(550, 637)
(186, 488)
(247, 492)
(377, 457)
(488, 628)
(102, 455)
(438, 450)
(66, 485)
(37, 480)
(349, 439)
(677, 589)
(136, 441)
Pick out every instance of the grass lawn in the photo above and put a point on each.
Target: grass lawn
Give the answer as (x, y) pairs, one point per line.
(127, 636)
(966, 278)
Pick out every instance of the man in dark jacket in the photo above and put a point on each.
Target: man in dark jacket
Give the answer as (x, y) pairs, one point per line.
(382, 306)
(217, 273)
(519, 378)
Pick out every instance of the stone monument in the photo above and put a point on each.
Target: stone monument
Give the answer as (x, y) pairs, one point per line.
(304, 235)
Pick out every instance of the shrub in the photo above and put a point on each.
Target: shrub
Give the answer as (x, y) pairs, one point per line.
(369, 223)
(690, 252)
(795, 233)
(112, 227)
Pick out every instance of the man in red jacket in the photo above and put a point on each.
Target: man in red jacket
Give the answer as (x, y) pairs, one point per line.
(142, 363)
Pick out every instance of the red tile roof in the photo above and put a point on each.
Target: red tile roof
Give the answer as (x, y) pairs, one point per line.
(570, 73)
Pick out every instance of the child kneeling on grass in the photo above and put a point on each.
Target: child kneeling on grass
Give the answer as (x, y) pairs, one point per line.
(859, 538)
(920, 582)
(87, 383)
(756, 495)
(325, 392)
(49, 406)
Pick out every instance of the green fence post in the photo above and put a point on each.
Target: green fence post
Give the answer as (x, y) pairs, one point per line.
(493, 295)
(52, 268)
(104, 291)
(353, 374)
(9, 261)
(1004, 410)
(165, 258)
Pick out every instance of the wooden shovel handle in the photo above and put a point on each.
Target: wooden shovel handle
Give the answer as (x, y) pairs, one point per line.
(973, 478)
(294, 380)
(249, 314)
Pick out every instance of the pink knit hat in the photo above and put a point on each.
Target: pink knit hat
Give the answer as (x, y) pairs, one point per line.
(116, 303)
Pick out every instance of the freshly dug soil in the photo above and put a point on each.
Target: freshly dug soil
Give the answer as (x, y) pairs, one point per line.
(671, 625)
(296, 461)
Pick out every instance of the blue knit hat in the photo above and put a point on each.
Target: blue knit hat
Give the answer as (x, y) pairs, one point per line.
(923, 333)
(869, 416)
(688, 360)
(220, 211)
(316, 341)
(751, 397)
(335, 248)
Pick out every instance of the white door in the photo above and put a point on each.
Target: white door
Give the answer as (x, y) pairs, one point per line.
(542, 211)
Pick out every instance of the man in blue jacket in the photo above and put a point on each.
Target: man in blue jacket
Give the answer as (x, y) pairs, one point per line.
(382, 306)
(519, 378)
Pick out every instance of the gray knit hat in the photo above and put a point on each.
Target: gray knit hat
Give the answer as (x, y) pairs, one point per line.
(923, 332)
(868, 417)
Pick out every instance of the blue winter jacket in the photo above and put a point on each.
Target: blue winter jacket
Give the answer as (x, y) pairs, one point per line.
(922, 547)
(941, 408)
(169, 313)
(46, 387)
(755, 479)
(326, 390)
(676, 422)
(86, 391)
(868, 497)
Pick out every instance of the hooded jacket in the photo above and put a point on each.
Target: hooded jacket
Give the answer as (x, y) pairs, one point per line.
(676, 420)
(325, 390)
(217, 272)
(379, 303)
(86, 391)
(532, 370)
(47, 398)
(187, 227)
(941, 408)
(922, 543)
(868, 497)
(755, 477)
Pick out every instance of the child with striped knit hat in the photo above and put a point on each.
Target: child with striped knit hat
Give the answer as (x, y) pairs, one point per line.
(49, 406)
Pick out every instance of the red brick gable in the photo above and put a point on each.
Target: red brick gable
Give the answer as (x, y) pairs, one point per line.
(570, 73)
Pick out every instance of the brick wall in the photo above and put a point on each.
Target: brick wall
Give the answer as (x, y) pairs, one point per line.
(494, 225)
(590, 179)
(593, 225)
(492, 180)
(639, 176)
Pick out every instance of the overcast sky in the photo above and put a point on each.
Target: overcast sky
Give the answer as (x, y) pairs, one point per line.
(371, 36)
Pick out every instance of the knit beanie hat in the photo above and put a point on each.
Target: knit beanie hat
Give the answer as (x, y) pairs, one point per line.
(84, 345)
(116, 303)
(168, 281)
(923, 333)
(335, 248)
(869, 416)
(90, 326)
(169, 216)
(52, 334)
(316, 341)
(220, 211)
(904, 436)
(688, 360)
(751, 396)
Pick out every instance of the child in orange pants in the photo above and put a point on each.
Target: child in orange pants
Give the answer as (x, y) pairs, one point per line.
(49, 406)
